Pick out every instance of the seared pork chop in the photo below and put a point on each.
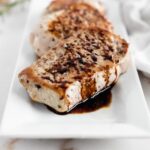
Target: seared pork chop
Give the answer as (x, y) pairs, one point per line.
(76, 69)
(60, 25)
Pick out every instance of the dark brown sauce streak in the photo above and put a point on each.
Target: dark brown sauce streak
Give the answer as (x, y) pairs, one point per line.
(101, 100)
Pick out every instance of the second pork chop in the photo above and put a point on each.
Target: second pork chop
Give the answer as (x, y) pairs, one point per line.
(60, 25)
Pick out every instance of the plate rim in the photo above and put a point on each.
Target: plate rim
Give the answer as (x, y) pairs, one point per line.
(4, 133)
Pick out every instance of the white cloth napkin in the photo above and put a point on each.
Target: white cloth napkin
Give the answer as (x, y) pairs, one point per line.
(136, 17)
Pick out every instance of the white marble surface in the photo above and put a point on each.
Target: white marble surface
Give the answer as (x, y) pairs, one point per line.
(11, 29)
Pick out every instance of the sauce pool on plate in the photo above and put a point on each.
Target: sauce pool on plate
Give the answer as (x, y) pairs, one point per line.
(99, 101)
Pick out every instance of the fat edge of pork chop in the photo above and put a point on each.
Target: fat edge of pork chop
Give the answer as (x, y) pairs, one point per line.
(60, 25)
(76, 69)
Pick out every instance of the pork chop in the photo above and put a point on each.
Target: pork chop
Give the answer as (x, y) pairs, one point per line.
(60, 25)
(76, 69)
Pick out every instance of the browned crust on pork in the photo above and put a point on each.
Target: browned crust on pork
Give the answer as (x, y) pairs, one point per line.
(32, 77)
(77, 16)
(57, 5)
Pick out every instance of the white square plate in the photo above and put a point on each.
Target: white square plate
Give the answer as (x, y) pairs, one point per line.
(127, 115)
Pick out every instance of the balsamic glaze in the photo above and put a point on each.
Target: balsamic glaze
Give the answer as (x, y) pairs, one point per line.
(99, 101)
